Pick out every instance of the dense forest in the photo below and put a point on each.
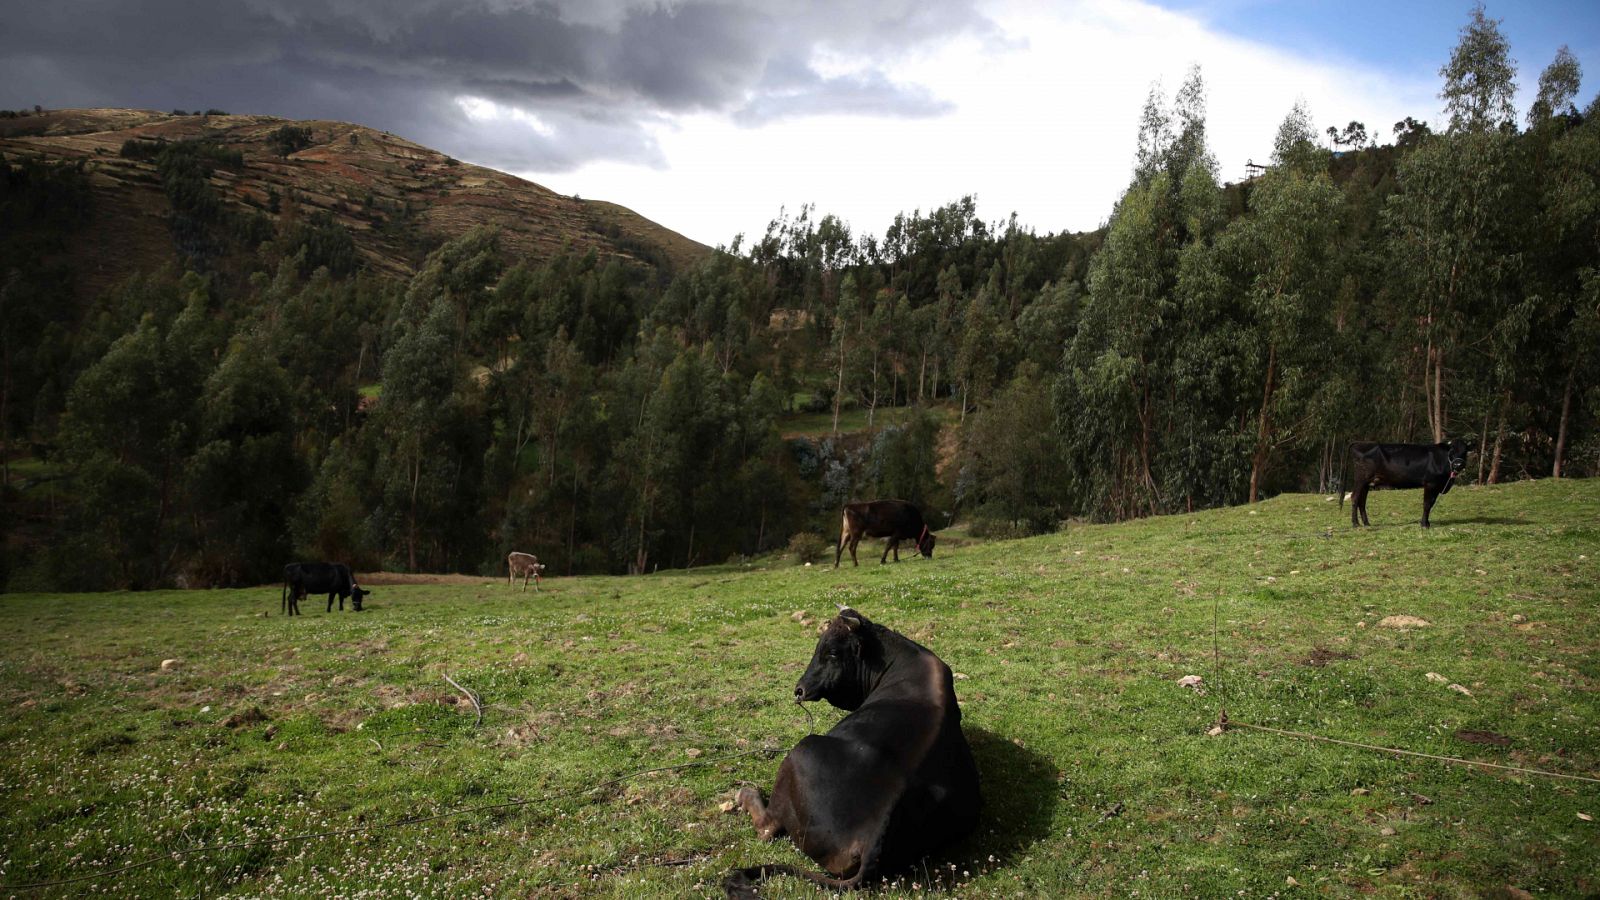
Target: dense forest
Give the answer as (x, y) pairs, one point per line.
(1212, 344)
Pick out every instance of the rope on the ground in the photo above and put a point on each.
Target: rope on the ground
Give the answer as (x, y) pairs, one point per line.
(1225, 723)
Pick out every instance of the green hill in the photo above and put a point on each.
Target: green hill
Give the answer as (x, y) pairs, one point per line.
(1099, 776)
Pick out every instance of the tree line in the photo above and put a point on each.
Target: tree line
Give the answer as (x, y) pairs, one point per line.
(1212, 344)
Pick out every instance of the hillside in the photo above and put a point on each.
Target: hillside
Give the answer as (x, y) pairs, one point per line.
(395, 197)
(1099, 776)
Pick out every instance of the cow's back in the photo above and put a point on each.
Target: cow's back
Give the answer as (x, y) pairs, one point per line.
(916, 732)
(319, 578)
(883, 518)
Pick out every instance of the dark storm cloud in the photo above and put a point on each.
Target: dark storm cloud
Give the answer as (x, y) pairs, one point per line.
(595, 73)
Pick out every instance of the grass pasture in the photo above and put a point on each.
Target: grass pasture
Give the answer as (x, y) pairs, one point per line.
(1098, 773)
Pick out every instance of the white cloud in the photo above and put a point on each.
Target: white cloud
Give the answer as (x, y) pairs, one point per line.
(1043, 122)
(481, 111)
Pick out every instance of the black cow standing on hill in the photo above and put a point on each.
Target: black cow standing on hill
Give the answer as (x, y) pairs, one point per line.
(896, 520)
(1432, 467)
(892, 782)
(300, 579)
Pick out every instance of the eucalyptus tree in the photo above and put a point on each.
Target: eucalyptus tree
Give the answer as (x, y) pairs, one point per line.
(417, 412)
(767, 478)
(131, 425)
(1452, 221)
(244, 474)
(1558, 87)
(903, 461)
(1480, 78)
(1116, 377)
(1570, 258)
(1289, 238)
(1011, 468)
(833, 252)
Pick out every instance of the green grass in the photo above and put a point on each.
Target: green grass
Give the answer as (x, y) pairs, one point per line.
(852, 419)
(40, 482)
(31, 467)
(1099, 777)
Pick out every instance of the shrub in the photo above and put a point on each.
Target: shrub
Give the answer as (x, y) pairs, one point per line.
(807, 547)
(290, 139)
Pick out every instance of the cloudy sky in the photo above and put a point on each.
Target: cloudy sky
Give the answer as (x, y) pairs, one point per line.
(710, 115)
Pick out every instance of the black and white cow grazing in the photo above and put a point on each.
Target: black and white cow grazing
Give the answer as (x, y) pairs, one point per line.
(1432, 467)
(892, 782)
(333, 579)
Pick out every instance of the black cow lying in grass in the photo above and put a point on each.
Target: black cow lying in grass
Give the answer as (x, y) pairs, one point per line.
(893, 781)
(300, 579)
(1432, 467)
(896, 520)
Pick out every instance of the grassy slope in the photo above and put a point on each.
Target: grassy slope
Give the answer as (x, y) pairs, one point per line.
(1098, 773)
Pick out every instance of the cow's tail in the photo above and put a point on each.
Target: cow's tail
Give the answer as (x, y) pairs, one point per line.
(743, 884)
(1344, 469)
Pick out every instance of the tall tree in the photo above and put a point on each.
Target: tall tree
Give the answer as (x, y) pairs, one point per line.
(1449, 224)
(1012, 469)
(1569, 249)
(242, 523)
(1558, 86)
(1480, 78)
(131, 425)
(1290, 238)
(1118, 366)
(416, 410)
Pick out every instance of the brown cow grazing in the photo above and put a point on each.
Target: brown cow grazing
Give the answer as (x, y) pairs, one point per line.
(892, 782)
(896, 520)
(524, 566)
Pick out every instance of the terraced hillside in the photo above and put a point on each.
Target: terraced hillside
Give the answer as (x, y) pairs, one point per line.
(390, 193)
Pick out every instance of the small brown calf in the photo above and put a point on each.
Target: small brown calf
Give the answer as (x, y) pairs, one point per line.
(524, 566)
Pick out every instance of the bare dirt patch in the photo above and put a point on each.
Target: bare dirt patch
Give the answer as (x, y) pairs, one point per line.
(1321, 656)
(1483, 737)
(373, 579)
(250, 716)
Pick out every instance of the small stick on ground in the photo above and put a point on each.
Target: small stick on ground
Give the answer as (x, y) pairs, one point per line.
(470, 696)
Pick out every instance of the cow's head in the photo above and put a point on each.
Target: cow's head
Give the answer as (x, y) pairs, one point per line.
(1456, 452)
(925, 544)
(356, 593)
(842, 666)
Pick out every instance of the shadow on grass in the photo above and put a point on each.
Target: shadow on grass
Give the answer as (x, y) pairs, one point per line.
(1440, 522)
(1020, 793)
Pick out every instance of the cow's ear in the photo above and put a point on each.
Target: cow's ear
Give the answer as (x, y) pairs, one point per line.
(851, 619)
